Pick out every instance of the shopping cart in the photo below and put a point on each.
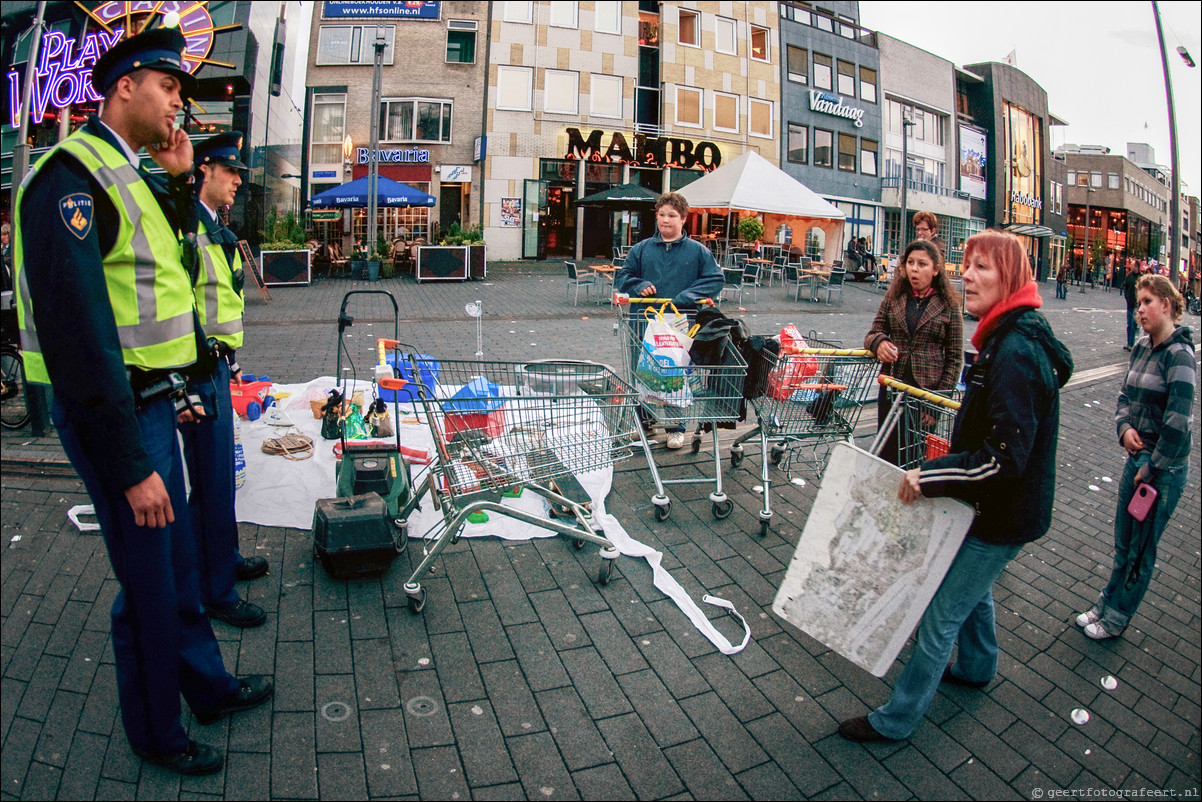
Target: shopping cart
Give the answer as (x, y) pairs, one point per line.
(812, 400)
(502, 427)
(707, 394)
(923, 420)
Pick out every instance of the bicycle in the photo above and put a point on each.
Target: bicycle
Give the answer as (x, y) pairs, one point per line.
(14, 409)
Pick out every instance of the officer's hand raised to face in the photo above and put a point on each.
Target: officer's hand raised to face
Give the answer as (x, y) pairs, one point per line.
(175, 155)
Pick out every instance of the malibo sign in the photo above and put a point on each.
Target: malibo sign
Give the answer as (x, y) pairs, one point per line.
(827, 103)
(647, 151)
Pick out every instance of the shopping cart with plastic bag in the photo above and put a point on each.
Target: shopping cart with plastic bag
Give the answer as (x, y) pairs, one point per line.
(811, 399)
(672, 394)
(923, 420)
(500, 428)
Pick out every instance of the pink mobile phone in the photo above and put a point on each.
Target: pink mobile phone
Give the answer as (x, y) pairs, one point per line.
(1142, 502)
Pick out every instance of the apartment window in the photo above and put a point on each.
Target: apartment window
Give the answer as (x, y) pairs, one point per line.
(1095, 179)
(1113, 179)
(352, 44)
(847, 153)
(759, 44)
(726, 112)
(561, 94)
(688, 106)
(798, 144)
(564, 14)
(607, 16)
(868, 151)
(461, 41)
(824, 23)
(824, 142)
(605, 95)
(798, 64)
(1082, 179)
(822, 71)
(515, 88)
(724, 35)
(868, 84)
(329, 129)
(847, 78)
(760, 112)
(689, 29)
(415, 120)
(1072, 179)
(518, 11)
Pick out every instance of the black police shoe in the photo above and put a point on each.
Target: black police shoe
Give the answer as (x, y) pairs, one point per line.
(251, 568)
(195, 760)
(243, 614)
(252, 692)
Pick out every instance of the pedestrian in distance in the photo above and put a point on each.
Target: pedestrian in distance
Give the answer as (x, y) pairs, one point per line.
(1155, 421)
(209, 443)
(926, 226)
(1062, 280)
(670, 264)
(918, 332)
(1002, 461)
(105, 308)
(1130, 292)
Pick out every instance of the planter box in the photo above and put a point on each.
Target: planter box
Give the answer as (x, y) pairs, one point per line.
(442, 263)
(284, 268)
(477, 258)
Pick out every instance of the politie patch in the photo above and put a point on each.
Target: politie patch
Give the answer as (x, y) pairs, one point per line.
(76, 210)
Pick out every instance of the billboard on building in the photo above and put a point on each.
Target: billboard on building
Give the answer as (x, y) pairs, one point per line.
(972, 162)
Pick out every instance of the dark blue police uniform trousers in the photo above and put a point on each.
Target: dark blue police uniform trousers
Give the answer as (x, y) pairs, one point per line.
(209, 455)
(162, 640)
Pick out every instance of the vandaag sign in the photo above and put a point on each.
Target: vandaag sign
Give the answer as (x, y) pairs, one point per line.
(647, 151)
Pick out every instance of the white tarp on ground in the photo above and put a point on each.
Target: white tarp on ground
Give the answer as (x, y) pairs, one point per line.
(281, 492)
(751, 183)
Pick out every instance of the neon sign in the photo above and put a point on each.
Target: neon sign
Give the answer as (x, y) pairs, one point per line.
(365, 155)
(64, 74)
(648, 151)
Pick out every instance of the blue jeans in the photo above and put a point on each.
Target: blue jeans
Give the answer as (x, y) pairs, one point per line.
(1132, 327)
(1135, 545)
(961, 609)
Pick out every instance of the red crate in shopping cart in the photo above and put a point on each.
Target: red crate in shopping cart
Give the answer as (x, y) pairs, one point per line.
(475, 407)
(937, 446)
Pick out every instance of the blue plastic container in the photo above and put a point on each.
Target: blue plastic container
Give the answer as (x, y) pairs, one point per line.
(427, 367)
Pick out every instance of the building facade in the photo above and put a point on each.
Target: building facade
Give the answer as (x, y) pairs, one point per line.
(241, 56)
(831, 112)
(920, 102)
(584, 96)
(1127, 204)
(1012, 111)
(429, 117)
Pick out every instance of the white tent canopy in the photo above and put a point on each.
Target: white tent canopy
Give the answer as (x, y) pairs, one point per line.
(751, 183)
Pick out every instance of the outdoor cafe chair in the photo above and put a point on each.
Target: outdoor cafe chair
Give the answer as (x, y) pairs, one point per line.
(834, 283)
(578, 279)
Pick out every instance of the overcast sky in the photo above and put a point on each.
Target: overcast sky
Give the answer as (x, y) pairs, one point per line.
(1099, 63)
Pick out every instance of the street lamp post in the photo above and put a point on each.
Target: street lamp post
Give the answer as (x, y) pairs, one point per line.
(373, 162)
(1174, 166)
(907, 124)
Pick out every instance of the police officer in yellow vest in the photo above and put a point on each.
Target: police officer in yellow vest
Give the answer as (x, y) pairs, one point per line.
(106, 313)
(209, 444)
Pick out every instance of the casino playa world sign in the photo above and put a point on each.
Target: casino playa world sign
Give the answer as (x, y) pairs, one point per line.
(63, 74)
(832, 104)
(647, 151)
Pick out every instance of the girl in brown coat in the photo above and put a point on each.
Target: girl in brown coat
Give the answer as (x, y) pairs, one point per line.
(918, 331)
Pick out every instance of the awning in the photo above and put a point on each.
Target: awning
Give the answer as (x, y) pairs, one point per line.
(1031, 230)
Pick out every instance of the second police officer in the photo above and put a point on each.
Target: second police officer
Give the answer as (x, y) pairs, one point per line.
(209, 444)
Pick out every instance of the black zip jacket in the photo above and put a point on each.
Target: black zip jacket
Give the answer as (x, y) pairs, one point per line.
(1003, 449)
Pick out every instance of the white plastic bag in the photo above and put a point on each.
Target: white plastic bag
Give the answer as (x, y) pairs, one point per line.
(661, 372)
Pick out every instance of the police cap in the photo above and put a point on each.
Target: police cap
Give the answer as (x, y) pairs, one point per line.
(159, 49)
(220, 149)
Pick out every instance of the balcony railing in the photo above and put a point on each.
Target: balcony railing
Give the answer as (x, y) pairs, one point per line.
(893, 182)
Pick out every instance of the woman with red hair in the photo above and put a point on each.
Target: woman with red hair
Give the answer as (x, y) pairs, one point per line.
(1002, 461)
